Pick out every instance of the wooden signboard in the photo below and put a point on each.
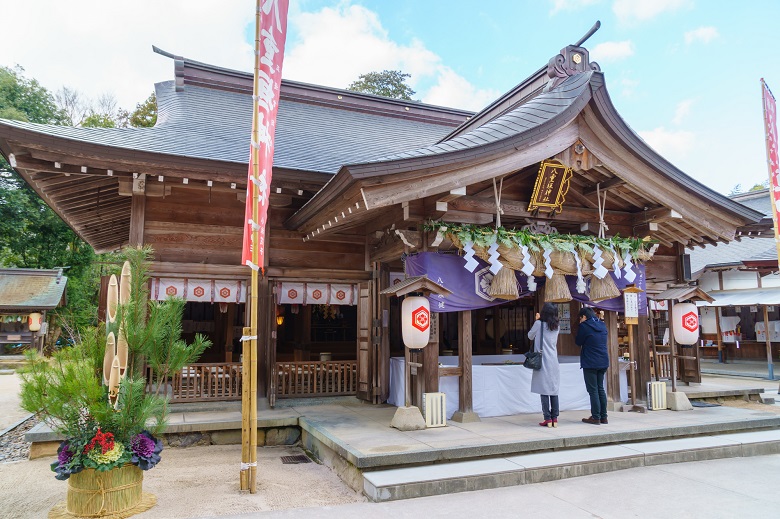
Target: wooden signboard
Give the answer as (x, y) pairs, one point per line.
(552, 184)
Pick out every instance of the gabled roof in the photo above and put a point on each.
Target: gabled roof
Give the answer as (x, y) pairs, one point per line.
(573, 106)
(206, 113)
(31, 289)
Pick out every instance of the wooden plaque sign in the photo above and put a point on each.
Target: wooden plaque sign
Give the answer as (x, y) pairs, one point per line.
(552, 184)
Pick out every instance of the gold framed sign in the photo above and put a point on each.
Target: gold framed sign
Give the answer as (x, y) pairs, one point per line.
(552, 184)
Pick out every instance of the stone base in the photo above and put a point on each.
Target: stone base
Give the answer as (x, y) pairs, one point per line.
(43, 449)
(467, 417)
(766, 399)
(678, 401)
(408, 419)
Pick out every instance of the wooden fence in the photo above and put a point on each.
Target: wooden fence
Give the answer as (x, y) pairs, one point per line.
(315, 378)
(202, 383)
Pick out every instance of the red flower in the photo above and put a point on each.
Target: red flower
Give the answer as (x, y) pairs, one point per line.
(104, 440)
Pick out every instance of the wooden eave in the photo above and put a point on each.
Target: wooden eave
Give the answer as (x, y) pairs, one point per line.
(90, 203)
(643, 187)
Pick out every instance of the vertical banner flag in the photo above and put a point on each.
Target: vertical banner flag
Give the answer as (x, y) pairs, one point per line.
(770, 127)
(268, 82)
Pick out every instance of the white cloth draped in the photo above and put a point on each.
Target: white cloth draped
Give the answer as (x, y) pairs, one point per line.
(503, 390)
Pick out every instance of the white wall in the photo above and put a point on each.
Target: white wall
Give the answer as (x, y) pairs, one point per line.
(739, 279)
(707, 319)
(709, 281)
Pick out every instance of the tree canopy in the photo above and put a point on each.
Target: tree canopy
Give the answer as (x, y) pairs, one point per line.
(388, 83)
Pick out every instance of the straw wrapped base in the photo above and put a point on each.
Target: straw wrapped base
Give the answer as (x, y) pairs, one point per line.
(556, 290)
(504, 285)
(603, 289)
(112, 494)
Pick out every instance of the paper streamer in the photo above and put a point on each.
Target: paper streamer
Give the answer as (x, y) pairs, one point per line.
(581, 286)
(615, 267)
(531, 283)
(599, 270)
(528, 267)
(628, 271)
(471, 264)
(548, 270)
(495, 265)
(439, 237)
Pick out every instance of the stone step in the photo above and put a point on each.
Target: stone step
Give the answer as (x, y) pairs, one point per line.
(462, 476)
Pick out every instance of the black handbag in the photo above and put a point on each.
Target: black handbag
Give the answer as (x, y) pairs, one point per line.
(533, 359)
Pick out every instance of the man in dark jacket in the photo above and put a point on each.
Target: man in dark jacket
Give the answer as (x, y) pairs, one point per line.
(594, 361)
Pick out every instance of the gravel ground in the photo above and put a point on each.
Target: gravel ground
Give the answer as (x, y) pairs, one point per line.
(12, 444)
(190, 482)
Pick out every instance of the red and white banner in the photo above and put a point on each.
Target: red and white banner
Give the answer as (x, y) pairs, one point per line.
(199, 290)
(770, 127)
(316, 293)
(268, 82)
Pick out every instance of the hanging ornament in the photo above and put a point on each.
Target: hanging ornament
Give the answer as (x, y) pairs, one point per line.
(628, 271)
(528, 267)
(495, 265)
(599, 270)
(532, 284)
(471, 264)
(581, 286)
(615, 266)
(548, 270)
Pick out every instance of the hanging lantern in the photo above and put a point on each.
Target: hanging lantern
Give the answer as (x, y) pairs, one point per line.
(112, 299)
(685, 323)
(415, 321)
(34, 321)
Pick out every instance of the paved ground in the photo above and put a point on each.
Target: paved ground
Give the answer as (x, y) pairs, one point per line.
(745, 368)
(727, 488)
(10, 413)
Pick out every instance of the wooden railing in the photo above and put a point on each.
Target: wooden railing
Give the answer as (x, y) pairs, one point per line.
(315, 378)
(662, 365)
(202, 383)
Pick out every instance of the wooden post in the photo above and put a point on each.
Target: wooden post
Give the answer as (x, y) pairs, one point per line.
(642, 352)
(721, 355)
(672, 352)
(407, 377)
(431, 357)
(137, 211)
(656, 370)
(770, 365)
(465, 412)
(613, 372)
(632, 368)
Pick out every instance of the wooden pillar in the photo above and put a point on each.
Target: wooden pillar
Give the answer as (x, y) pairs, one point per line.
(137, 211)
(642, 352)
(721, 353)
(656, 368)
(769, 366)
(465, 412)
(672, 348)
(383, 357)
(431, 357)
(230, 317)
(613, 373)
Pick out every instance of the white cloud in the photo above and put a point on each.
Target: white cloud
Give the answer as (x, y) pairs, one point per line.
(452, 89)
(97, 46)
(340, 43)
(682, 111)
(570, 5)
(702, 34)
(612, 51)
(629, 11)
(672, 144)
(629, 86)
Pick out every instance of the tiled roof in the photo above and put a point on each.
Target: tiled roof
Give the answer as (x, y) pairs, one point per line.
(215, 124)
(524, 118)
(31, 289)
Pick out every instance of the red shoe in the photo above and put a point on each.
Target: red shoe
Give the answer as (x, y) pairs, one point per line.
(546, 423)
(555, 422)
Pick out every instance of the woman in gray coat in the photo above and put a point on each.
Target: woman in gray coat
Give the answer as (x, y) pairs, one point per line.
(546, 381)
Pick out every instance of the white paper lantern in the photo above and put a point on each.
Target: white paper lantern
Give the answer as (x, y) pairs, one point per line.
(685, 323)
(416, 322)
(34, 321)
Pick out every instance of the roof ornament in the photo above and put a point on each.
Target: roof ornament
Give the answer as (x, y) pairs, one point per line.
(573, 59)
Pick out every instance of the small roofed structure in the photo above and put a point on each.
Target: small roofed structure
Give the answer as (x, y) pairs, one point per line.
(678, 294)
(25, 293)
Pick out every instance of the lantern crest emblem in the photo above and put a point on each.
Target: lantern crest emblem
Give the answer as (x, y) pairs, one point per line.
(198, 292)
(171, 291)
(690, 321)
(341, 295)
(224, 292)
(421, 318)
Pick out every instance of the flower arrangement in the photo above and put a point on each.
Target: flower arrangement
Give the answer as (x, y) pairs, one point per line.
(96, 393)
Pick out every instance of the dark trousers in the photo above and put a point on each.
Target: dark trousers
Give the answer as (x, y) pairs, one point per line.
(594, 383)
(547, 401)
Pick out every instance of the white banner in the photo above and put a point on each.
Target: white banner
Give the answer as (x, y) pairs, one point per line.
(291, 293)
(317, 293)
(296, 293)
(341, 295)
(199, 290)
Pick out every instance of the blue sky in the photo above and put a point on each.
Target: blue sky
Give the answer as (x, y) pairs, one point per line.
(684, 74)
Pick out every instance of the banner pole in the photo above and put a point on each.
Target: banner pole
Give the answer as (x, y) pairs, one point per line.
(248, 476)
(770, 130)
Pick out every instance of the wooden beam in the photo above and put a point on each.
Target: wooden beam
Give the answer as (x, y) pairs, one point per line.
(137, 214)
(613, 182)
